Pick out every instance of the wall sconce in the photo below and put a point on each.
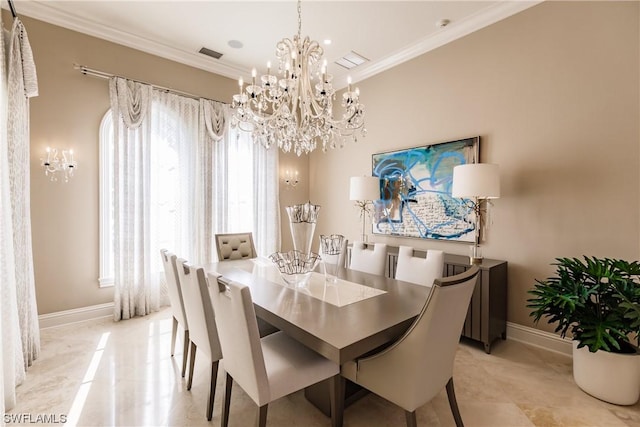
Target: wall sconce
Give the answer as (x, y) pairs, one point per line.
(54, 164)
(291, 178)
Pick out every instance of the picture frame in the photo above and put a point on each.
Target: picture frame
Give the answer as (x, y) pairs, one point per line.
(415, 192)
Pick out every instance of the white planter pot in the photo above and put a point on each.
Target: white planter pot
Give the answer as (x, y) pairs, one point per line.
(612, 377)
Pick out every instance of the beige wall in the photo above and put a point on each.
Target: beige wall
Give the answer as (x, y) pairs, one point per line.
(552, 91)
(67, 114)
(554, 94)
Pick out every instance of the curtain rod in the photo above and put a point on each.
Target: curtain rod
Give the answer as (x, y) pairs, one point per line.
(13, 9)
(105, 75)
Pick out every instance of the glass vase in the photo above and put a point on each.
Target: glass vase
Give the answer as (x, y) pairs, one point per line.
(302, 221)
(332, 256)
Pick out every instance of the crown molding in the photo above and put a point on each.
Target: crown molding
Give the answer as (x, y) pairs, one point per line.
(452, 32)
(40, 10)
(44, 12)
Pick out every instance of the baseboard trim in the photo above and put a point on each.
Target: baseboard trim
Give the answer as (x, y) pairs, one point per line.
(75, 315)
(515, 332)
(538, 338)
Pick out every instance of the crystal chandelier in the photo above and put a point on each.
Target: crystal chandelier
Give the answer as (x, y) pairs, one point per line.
(295, 111)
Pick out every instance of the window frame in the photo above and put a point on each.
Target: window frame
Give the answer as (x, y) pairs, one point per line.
(106, 278)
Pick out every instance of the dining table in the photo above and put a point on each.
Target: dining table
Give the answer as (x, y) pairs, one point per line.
(340, 319)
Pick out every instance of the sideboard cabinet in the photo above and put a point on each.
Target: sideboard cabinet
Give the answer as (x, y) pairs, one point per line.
(487, 316)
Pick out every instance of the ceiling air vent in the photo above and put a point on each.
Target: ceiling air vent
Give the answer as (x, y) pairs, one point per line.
(351, 60)
(209, 52)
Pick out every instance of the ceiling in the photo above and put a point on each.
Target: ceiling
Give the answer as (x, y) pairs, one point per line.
(385, 32)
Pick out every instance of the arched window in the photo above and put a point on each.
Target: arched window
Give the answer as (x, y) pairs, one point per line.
(174, 206)
(167, 220)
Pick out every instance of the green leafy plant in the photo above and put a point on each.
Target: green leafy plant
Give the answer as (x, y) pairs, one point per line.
(598, 300)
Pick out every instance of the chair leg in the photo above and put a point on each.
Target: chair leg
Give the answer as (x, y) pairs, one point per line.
(212, 389)
(174, 332)
(336, 396)
(411, 418)
(185, 352)
(226, 401)
(451, 394)
(261, 421)
(192, 363)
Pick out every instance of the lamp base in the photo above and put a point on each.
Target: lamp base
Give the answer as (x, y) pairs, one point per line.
(475, 254)
(475, 260)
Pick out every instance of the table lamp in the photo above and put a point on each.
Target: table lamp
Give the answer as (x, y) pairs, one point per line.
(476, 182)
(363, 190)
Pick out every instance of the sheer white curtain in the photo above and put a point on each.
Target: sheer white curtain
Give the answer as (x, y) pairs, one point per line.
(251, 202)
(174, 130)
(211, 183)
(136, 287)
(19, 329)
(154, 176)
(22, 85)
(239, 184)
(181, 175)
(266, 209)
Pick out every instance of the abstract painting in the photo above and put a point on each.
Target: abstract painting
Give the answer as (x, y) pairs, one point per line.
(415, 192)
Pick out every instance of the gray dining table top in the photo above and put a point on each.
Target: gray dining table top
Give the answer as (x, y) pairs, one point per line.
(338, 333)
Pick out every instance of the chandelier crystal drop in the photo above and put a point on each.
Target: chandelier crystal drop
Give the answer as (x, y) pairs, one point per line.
(295, 111)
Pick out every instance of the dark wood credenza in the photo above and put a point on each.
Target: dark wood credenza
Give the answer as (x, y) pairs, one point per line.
(487, 315)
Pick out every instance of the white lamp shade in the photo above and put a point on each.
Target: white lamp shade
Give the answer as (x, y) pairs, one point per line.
(364, 188)
(481, 180)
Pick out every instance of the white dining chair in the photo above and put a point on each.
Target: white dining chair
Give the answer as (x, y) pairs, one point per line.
(367, 260)
(415, 368)
(235, 246)
(202, 323)
(266, 368)
(421, 271)
(177, 304)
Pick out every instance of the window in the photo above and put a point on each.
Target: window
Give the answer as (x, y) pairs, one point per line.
(172, 211)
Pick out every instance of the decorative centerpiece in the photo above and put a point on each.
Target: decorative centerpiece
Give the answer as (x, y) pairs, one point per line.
(302, 221)
(295, 267)
(332, 256)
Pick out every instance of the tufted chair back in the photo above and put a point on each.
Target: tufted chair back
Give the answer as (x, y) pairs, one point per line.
(232, 246)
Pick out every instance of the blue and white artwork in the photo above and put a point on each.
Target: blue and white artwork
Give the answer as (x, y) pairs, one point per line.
(415, 192)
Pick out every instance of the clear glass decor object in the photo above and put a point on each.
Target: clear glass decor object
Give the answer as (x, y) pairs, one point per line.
(295, 267)
(302, 221)
(331, 252)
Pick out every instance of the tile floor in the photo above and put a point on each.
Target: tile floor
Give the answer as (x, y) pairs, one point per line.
(101, 373)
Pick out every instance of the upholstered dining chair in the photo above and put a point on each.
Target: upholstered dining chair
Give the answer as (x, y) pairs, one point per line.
(202, 323)
(421, 271)
(415, 368)
(177, 304)
(232, 246)
(266, 368)
(367, 260)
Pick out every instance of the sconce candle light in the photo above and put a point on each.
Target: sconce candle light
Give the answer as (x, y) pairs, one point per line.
(54, 164)
(291, 178)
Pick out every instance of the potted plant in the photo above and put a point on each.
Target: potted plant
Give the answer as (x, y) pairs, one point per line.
(598, 302)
